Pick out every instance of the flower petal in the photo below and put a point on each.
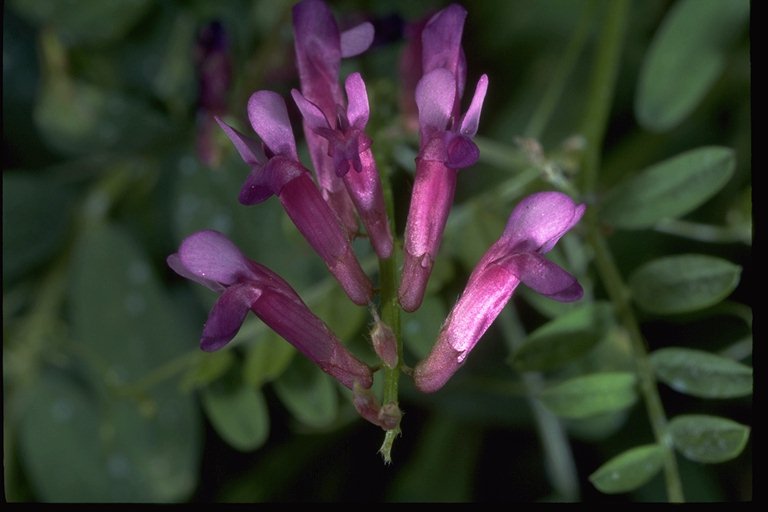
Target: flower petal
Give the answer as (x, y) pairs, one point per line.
(269, 118)
(441, 39)
(356, 40)
(461, 152)
(311, 113)
(295, 322)
(488, 291)
(250, 150)
(471, 119)
(177, 266)
(227, 315)
(209, 255)
(543, 276)
(357, 101)
(435, 95)
(540, 220)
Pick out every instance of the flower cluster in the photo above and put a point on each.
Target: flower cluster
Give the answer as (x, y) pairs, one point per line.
(344, 191)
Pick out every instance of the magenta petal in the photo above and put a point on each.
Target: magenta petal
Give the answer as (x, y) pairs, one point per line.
(540, 220)
(356, 40)
(250, 151)
(320, 227)
(175, 263)
(211, 256)
(461, 152)
(227, 315)
(441, 39)
(365, 190)
(435, 96)
(269, 118)
(489, 290)
(471, 119)
(431, 201)
(293, 320)
(357, 101)
(311, 113)
(543, 276)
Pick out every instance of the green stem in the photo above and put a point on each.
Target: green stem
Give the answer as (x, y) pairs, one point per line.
(602, 89)
(558, 456)
(390, 315)
(557, 83)
(648, 388)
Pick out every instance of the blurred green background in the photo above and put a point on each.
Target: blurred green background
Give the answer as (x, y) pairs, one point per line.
(109, 160)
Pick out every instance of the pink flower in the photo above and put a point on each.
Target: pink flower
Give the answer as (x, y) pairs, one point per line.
(350, 149)
(277, 171)
(534, 227)
(212, 260)
(445, 147)
(320, 46)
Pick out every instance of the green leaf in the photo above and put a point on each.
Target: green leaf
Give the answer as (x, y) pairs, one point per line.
(591, 394)
(207, 368)
(420, 328)
(684, 283)
(701, 374)
(238, 412)
(708, 439)
(629, 470)
(120, 313)
(564, 339)
(124, 320)
(78, 447)
(267, 359)
(308, 392)
(84, 21)
(36, 216)
(77, 118)
(686, 56)
(668, 189)
(341, 315)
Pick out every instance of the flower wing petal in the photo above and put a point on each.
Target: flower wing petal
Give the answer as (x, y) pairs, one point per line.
(543, 276)
(356, 40)
(227, 315)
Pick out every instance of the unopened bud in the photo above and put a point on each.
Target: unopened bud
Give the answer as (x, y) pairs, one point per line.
(390, 416)
(384, 342)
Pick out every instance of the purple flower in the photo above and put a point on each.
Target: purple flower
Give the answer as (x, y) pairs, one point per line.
(320, 47)
(445, 147)
(350, 149)
(212, 260)
(534, 227)
(276, 170)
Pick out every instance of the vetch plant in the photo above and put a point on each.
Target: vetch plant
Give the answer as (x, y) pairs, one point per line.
(511, 239)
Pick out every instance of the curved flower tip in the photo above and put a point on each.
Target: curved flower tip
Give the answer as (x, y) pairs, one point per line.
(431, 374)
(540, 220)
(210, 257)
